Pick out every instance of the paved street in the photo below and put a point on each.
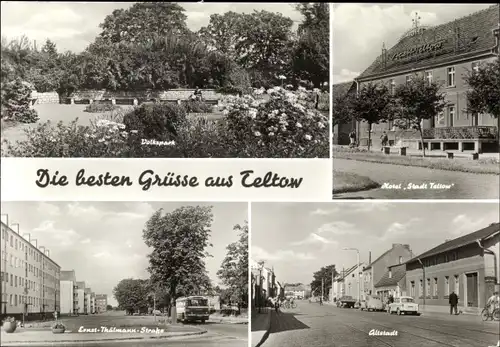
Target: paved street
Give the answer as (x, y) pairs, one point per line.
(465, 185)
(231, 335)
(313, 325)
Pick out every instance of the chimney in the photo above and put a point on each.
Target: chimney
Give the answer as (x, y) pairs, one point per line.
(407, 246)
(42, 249)
(27, 237)
(34, 242)
(447, 240)
(47, 253)
(369, 258)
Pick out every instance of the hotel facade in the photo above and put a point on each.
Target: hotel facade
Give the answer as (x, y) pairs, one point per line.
(30, 278)
(444, 54)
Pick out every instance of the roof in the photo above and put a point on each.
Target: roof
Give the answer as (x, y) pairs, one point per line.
(341, 89)
(475, 36)
(398, 273)
(373, 262)
(460, 241)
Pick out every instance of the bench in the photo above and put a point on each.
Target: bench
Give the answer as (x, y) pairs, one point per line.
(401, 150)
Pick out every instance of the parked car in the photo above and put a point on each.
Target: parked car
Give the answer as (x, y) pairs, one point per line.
(346, 301)
(372, 303)
(403, 305)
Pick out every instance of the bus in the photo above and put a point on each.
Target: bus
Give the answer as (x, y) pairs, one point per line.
(192, 308)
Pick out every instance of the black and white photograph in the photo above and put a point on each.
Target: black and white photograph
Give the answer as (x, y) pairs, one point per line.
(405, 274)
(165, 80)
(124, 274)
(416, 100)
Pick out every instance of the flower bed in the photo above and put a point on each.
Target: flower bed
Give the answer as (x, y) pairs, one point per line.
(281, 124)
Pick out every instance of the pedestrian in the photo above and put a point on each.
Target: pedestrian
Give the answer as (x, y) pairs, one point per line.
(277, 306)
(453, 301)
(352, 139)
(384, 139)
(320, 301)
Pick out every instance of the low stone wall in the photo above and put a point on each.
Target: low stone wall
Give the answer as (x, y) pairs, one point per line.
(141, 96)
(45, 98)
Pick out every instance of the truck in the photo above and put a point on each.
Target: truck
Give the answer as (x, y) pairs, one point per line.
(346, 301)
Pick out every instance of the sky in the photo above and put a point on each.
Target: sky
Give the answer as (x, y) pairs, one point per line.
(102, 241)
(359, 30)
(73, 25)
(297, 239)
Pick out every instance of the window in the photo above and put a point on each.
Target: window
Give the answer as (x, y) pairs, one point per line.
(428, 76)
(401, 260)
(457, 284)
(435, 287)
(408, 79)
(446, 285)
(11, 260)
(15, 281)
(11, 280)
(16, 244)
(412, 288)
(428, 289)
(451, 118)
(11, 241)
(390, 273)
(421, 288)
(475, 67)
(450, 72)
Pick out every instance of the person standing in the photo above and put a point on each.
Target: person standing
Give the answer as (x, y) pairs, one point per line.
(453, 301)
(384, 139)
(352, 139)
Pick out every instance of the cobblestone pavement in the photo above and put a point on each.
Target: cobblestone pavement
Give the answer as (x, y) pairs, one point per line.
(313, 325)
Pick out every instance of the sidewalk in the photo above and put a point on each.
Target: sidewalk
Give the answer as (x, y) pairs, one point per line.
(30, 337)
(261, 324)
(228, 319)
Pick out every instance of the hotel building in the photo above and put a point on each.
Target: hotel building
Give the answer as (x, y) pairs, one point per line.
(101, 303)
(445, 54)
(30, 278)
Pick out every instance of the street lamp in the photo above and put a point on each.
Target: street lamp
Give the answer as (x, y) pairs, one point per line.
(357, 271)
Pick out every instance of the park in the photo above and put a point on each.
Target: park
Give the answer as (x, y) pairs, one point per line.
(165, 90)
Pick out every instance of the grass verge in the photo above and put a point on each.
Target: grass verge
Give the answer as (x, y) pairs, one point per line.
(482, 166)
(346, 182)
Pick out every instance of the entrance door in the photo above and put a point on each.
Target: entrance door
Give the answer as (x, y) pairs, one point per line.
(472, 290)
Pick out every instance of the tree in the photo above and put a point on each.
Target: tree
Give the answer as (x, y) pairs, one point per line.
(223, 33)
(373, 104)
(484, 93)
(311, 58)
(323, 277)
(266, 44)
(178, 240)
(109, 307)
(143, 21)
(234, 268)
(132, 294)
(341, 109)
(419, 100)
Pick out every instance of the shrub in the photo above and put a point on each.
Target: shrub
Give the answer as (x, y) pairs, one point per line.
(58, 325)
(16, 98)
(196, 106)
(9, 320)
(283, 126)
(202, 138)
(105, 139)
(155, 121)
(97, 107)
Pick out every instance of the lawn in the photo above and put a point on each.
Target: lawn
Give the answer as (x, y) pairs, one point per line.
(67, 113)
(486, 165)
(346, 182)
